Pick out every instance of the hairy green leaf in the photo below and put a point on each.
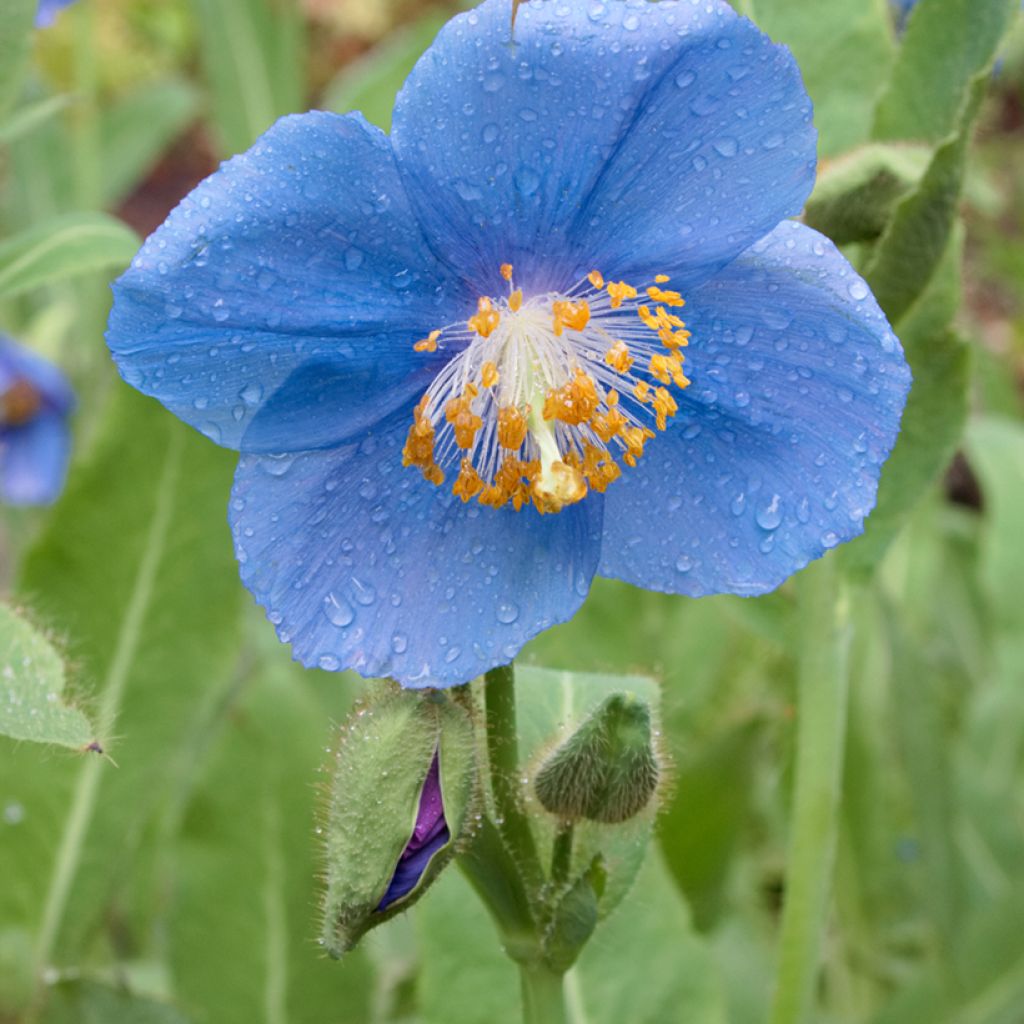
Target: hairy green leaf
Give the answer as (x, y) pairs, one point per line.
(32, 686)
(946, 45)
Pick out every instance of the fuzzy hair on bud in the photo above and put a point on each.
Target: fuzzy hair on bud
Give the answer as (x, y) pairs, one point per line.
(386, 838)
(607, 770)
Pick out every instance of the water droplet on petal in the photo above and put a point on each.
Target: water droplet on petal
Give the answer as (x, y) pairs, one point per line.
(338, 610)
(507, 612)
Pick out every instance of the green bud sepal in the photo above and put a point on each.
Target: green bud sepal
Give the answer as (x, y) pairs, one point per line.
(607, 770)
(403, 783)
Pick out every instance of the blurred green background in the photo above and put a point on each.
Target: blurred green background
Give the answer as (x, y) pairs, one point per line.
(180, 885)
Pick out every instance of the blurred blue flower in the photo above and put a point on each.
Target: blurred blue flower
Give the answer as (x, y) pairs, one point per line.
(48, 10)
(491, 300)
(35, 400)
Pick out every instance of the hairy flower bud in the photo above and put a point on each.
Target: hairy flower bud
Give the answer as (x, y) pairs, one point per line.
(607, 769)
(402, 784)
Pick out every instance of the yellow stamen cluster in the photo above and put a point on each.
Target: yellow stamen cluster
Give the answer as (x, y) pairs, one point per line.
(544, 398)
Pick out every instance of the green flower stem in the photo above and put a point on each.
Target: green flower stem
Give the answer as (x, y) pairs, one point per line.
(503, 753)
(543, 1000)
(821, 725)
(561, 853)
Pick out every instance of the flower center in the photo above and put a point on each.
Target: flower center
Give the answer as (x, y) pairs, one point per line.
(19, 403)
(548, 395)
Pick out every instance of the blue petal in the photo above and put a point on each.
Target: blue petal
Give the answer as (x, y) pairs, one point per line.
(798, 388)
(361, 564)
(277, 306)
(34, 460)
(622, 135)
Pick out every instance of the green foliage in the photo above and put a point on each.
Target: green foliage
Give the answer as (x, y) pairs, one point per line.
(17, 18)
(644, 965)
(87, 1002)
(855, 195)
(116, 568)
(253, 59)
(947, 44)
(844, 51)
(61, 248)
(371, 83)
(244, 860)
(137, 130)
(32, 686)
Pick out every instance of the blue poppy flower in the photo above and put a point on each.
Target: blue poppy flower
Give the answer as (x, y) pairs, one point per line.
(457, 360)
(48, 10)
(35, 400)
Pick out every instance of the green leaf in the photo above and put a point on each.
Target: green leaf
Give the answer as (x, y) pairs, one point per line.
(137, 130)
(136, 567)
(700, 828)
(844, 51)
(245, 917)
(253, 58)
(855, 195)
(88, 1002)
(32, 685)
(27, 118)
(17, 18)
(912, 247)
(946, 45)
(995, 447)
(62, 248)
(644, 965)
(935, 414)
(371, 83)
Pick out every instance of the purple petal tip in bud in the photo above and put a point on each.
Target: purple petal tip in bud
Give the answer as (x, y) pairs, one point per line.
(429, 834)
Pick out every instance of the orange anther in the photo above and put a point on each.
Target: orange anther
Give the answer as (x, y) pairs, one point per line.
(468, 483)
(488, 375)
(574, 402)
(618, 357)
(459, 413)
(515, 300)
(596, 279)
(617, 291)
(574, 315)
(506, 271)
(661, 278)
(429, 343)
(669, 298)
(485, 319)
(511, 428)
(664, 407)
